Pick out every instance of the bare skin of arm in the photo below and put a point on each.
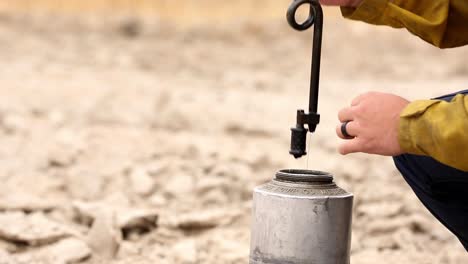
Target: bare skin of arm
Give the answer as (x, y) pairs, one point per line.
(385, 124)
(374, 120)
(374, 117)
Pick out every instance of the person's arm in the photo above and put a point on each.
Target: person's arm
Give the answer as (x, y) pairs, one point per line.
(443, 23)
(386, 124)
(438, 129)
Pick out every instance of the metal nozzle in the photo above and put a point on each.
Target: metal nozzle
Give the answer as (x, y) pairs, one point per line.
(298, 141)
(299, 132)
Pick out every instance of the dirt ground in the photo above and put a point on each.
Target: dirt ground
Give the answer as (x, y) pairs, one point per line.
(131, 141)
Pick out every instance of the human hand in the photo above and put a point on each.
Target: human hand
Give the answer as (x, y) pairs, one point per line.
(350, 3)
(374, 123)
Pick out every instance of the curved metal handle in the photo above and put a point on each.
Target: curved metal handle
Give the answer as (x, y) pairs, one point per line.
(315, 19)
(291, 15)
(312, 118)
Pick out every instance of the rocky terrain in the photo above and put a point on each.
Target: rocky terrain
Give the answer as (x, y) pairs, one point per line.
(131, 140)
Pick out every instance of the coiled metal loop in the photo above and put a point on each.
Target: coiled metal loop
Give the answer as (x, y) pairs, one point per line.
(315, 10)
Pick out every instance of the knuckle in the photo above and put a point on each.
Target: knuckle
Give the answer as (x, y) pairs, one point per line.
(341, 150)
(355, 101)
(367, 95)
(371, 93)
(353, 126)
(338, 131)
(358, 109)
(342, 114)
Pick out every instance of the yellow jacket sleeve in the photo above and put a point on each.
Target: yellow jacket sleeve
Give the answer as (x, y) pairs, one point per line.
(438, 129)
(444, 23)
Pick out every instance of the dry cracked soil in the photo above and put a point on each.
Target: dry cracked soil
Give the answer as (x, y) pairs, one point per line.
(128, 140)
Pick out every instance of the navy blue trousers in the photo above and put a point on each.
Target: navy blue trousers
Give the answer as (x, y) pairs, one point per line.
(441, 188)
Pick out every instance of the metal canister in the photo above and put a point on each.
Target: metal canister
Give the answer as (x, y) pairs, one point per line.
(301, 217)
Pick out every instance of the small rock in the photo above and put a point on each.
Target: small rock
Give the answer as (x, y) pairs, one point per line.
(56, 117)
(103, 237)
(185, 252)
(157, 167)
(5, 257)
(130, 28)
(68, 251)
(233, 250)
(67, 146)
(136, 222)
(33, 229)
(179, 185)
(3, 252)
(13, 123)
(368, 256)
(7, 247)
(128, 248)
(141, 182)
(126, 220)
(145, 219)
(60, 156)
(203, 219)
(208, 183)
(25, 202)
(157, 200)
(84, 213)
(416, 223)
(84, 184)
(382, 209)
(125, 217)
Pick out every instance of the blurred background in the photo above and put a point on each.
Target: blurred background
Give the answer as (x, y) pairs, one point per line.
(135, 131)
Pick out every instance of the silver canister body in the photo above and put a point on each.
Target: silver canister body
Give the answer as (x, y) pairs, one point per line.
(301, 217)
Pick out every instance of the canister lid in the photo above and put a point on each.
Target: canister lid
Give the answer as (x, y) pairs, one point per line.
(296, 175)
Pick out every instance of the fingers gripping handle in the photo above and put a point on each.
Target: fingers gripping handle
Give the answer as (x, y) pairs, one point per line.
(312, 118)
